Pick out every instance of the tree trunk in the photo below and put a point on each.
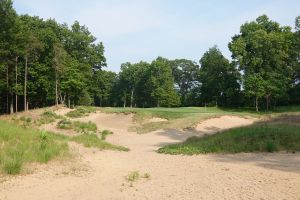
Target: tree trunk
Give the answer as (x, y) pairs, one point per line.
(256, 103)
(268, 101)
(16, 84)
(124, 101)
(25, 84)
(7, 92)
(12, 104)
(131, 97)
(56, 89)
(69, 102)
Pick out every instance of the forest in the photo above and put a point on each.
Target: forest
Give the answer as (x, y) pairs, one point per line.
(44, 62)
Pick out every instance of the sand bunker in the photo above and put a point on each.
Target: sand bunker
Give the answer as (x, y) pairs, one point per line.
(239, 176)
(223, 123)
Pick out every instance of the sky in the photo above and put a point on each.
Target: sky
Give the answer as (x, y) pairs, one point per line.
(135, 30)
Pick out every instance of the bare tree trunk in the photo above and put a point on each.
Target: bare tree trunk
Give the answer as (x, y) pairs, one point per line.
(25, 84)
(7, 92)
(56, 89)
(267, 101)
(69, 102)
(16, 84)
(256, 103)
(131, 97)
(12, 104)
(124, 100)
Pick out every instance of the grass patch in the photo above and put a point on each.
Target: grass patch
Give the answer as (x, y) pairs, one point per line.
(92, 140)
(85, 127)
(19, 146)
(79, 127)
(105, 133)
(81, 111)
(266, 137)
(65, 124)
(133, 176)
(47, 117)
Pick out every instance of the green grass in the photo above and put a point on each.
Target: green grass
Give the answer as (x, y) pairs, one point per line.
(261, 137)
(105, 133)
(47, 117)
(178, 118)
(133, 176)
(65, 124)
(92, 140)
(188, 117)
(19, 146)
(79, 127)
(85, 127)
(81, 111)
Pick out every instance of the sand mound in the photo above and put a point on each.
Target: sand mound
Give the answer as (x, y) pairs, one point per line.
(109, 121)
(101, 174)
(156, 119)
(223, 123)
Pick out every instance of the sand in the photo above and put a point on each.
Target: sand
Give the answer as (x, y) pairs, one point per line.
(95, 174)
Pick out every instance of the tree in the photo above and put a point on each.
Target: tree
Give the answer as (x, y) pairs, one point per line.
(218, 78)
(59, 56)
(185, 74)
(161, 83)
(262, 49)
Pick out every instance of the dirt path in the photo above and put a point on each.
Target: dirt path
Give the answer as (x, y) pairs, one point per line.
(101, 174)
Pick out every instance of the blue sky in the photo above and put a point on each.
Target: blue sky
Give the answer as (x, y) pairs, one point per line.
(135, 30)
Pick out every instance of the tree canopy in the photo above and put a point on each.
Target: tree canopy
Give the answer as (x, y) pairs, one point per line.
(43, 63)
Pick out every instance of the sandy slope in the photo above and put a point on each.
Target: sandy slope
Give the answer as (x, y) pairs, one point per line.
(100, 175)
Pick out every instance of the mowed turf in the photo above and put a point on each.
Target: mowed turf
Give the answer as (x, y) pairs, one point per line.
(187, 117)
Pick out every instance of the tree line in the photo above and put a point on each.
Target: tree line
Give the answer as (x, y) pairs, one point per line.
(43, 62)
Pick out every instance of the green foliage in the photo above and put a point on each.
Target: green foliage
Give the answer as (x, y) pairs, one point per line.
(262, 50)
(105, 133)
(20, 146)
(219, 79)
(47, 117)
(81, 111)
(92, 140)
(83, 127)
(185, 74)
(80, 127)
(256, 138)
(65, 124)
(133, 176)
